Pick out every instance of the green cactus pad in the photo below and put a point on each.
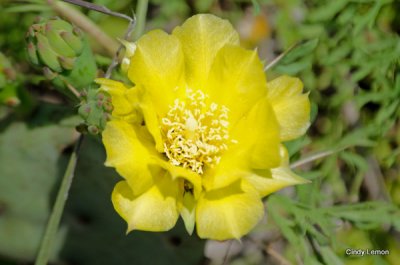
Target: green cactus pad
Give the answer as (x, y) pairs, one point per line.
(28, 170)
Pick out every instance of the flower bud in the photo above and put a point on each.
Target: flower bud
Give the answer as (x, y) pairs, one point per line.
(58, 46)
(50, 75)
(130, 48)
(92, 129)
(67, 63)
(73, 41)
(95, 109)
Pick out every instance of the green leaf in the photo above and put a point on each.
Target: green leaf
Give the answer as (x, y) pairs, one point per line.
(285, 225)
(28, 170)
(368, 18)
(293, 68)
(296, 59)
(329, 256)
(361, 213)
(355, 160)
(301, 50)
(326, 11)
(296, 145)
(338, 54)
(27, 8)
(203, 6)
(256, 6)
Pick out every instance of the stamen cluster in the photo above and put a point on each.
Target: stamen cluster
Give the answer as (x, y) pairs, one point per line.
(195, 133)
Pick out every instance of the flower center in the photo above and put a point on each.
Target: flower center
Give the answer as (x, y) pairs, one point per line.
(195, 133)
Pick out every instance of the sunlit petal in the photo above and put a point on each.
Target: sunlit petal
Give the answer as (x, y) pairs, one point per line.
(202, 36)
(292, 108)
(228, 213)
(154, 210)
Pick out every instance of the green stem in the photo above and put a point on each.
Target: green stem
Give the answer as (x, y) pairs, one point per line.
(55, 217)
(315, 156)
(141, 12)
(280, 57)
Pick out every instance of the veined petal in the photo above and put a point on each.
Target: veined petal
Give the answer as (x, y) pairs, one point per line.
(292, 108)
(152, 119)
(202, 36)
(154, 210)
(230, 212)
(237, 80)
(268, 181)
(257, 147)
(233, 165)
(127, 151)
(157, 65)
(257, 135)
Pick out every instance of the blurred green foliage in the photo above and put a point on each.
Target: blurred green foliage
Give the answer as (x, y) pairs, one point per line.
(28, 170)
(347, 54)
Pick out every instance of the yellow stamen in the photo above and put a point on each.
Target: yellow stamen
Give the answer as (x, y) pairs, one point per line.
(195, 133)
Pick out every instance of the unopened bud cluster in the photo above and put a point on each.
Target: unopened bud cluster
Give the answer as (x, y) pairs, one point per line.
(63, 53)
(95, 109)
(54, 44)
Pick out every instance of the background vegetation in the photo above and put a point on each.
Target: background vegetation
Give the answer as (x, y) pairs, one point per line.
(347, 53)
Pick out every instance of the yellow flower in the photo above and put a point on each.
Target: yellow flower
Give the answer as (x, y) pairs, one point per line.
(200, 134)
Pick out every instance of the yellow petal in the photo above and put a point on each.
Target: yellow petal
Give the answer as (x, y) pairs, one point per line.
(292, 108)
(257, 134)
(268, 181)
(117, 90)
(202, 36)
(127, 151)
(257, 147)
(152, 119)
(228, 213)
(188, 211)
(237, 80)
(180, 173)
(233, 165)
(157, 66)
(154, 210)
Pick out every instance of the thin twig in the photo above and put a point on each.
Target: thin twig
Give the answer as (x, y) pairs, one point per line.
(273, 253)
(127, 35)
(141, 11)
(79, 19)
(105, 10)
(314, 157)
(47, 243)
(73, 90)
(280, 57)
(270, 251)
(225, 260)
(98, 8)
